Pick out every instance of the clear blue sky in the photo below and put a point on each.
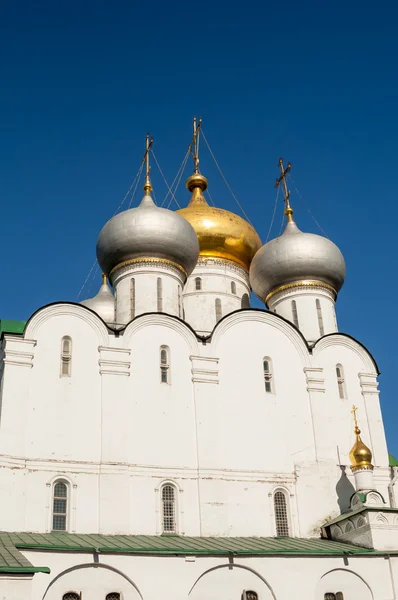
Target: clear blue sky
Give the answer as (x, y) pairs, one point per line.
(314, 82)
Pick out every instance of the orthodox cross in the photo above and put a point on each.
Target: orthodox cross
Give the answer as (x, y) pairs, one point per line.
(195, 143)
(354, 412)
(282, 179)
(149, 142)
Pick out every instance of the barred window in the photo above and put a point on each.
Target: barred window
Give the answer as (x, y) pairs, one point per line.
(168, 509)
(233, 287)
(71, 596)
(245, 301)
(132, 298)
(330, 596)
(159, 294)
(320, 317)
(339, 596)
(164, 364)
(341, 381)
(66, 356)
(218, 309)
(281, 518)
(249, 595)
(60, 506)
(295, 313)
(198, 283)
(113, 596)
(267, 371)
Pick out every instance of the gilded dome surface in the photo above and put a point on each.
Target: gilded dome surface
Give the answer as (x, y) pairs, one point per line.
(296, 256)
(103, 303)
(221, 234)
(147, 232)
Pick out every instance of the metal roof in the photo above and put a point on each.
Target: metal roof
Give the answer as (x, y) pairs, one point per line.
(182, 545)
(9, 326)
(13, 561)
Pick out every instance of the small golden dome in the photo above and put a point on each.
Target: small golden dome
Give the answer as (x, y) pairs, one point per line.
(221, 233)
(360, 455)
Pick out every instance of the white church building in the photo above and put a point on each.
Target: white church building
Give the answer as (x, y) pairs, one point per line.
(165, 441)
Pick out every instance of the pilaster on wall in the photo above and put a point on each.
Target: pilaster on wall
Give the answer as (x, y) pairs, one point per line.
(204, 369)
(316, 390)
(370, 393)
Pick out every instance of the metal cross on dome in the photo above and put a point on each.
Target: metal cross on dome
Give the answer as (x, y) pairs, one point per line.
(282, 178)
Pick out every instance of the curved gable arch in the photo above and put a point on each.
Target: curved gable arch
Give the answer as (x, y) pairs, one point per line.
(341, 339)
(156, 319)
(71, 310)
(262, 316)
(351, 573)
(234, 566)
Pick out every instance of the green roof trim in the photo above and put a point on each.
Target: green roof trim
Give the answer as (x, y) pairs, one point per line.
(8, 326)
(393, 462)
(13, 561)
(175, 545)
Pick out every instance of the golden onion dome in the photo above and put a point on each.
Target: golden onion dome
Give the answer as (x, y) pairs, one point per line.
(221, 233)
(360, 455)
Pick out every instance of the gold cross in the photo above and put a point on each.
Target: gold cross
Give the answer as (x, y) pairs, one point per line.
(282, 178)
(354, 412)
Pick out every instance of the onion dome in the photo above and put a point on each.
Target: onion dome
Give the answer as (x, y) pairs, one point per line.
(103, 303)
(360, 455)
(221, 233)
(296, 258)
(147, 232)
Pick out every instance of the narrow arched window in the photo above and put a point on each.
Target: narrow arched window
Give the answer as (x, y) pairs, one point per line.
(66, 356)
(320, 317)
(132, 298)
(280, 511)
(233, 287)
(267, 371)
(169, 509)
(341, 381)
(60, 506)
(339, 596)
(179, 291)
(249, 595)
(330, 596)
(198, 283)
(113, 596)
(295, 313)
(164, 364)
(245, 301)
(71, 596)
(159, 294)
(218, 309)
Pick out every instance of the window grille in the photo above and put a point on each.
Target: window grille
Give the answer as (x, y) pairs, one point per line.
(267, 369)
(164, 364)
(249, 595)
(245, 301)
(113, 596)
(281, 520)
(198, 283)
(218, 309)
(159, 294)
(132, 298)
(339, 596)
(233, 287)
(340, 381)
(330, 596)
(66, 356)
(295, 313)
(60, 506)
(168, 509)
(320, 317)
(71, 596)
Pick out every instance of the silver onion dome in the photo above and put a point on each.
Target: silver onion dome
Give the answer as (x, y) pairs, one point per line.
(293, 257)
(147, 231)
(103, 303)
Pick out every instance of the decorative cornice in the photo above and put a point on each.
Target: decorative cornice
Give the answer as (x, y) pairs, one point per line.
(368, 383)
(204, 261)
(161, 319)
(315, 379)
(157, 262)
(304, 283)
(335, 340)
